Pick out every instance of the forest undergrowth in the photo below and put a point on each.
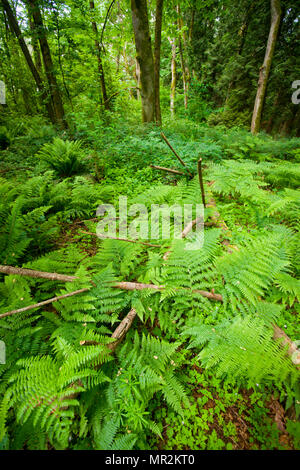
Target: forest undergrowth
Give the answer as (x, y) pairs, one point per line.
(162, 347)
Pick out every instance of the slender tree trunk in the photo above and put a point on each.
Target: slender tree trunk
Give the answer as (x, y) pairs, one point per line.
(59, 53)
(127, 68)
(13, 24)
(35, 46)
(184, 67)
(48, 64)
(191, 29)
(99, 58)
(265, 69)
(144, 57)
(157, 44)
(173, 79)
(183, 70)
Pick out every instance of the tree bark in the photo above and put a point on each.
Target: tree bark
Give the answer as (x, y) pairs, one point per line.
(173, 79)
(99, 58)
(14, 26)
(157, 45)
(127, 68)
(265, 69)
(5, 269)
(138, 79)
(48, 64)
(144, 57)
(35, 45)
(184, 67)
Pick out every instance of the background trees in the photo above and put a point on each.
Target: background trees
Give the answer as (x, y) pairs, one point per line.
(134, 343)
(123, 49)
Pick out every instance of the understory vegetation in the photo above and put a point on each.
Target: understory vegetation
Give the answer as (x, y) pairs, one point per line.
(149, 225)
(191, 372)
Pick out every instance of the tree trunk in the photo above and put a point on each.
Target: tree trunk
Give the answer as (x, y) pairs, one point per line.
(48, 64)
(265, 69)
(191, 29)
(127, 68)
(138, 79)
(13, 24)
(99, 58)
(144, 57)
(173, 79)
(157, 44)
(35, 46)
(184, 67)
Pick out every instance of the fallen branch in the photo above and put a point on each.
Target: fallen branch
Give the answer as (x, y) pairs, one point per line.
(201, 181)
(45, 302)
(176, 154)
(140, 286)
(94, 219)
(170, 170)
(184, 234)
(37, 274)
(122, 329)
(118, 334)
(189, 227)
(121, 239)
(292, 351)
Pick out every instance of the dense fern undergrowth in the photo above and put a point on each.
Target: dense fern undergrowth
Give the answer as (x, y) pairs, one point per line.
(191, 372)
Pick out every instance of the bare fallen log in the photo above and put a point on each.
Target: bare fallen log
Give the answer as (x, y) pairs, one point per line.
(36, 274)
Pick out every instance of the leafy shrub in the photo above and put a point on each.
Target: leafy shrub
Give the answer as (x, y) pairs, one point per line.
(65, 157)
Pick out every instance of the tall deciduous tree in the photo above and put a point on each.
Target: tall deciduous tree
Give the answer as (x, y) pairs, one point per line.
(157, 47)
(173, 75)
(144, 57)
(14, 26)
(183, 62)
(265, 69)
(57, 104)
(99, 58)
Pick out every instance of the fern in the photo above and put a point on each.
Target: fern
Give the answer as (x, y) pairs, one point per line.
(242, 351)
(63, 156)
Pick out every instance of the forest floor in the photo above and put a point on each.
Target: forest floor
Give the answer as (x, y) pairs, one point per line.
(254, 182)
